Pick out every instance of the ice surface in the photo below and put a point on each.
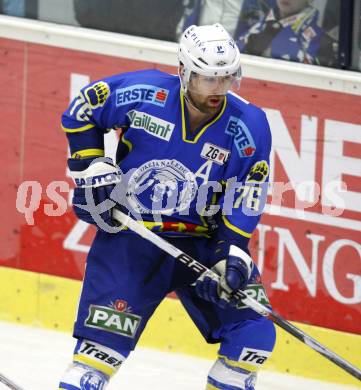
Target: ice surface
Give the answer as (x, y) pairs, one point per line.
(35, 358)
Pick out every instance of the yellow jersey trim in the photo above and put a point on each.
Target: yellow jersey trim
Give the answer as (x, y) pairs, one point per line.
(234, 363)
(204, 128)
(235, 228)
(92, 363)
(127, 143)
(79, 129)
(211, 387)
(88, 153)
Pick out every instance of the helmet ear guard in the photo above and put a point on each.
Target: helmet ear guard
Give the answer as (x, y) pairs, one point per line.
(184, 74)
(208, 51)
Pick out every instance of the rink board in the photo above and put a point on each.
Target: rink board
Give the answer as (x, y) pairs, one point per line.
(311, 259)
(49, 301)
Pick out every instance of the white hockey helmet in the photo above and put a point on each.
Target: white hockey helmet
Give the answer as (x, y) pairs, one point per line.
(210, 58)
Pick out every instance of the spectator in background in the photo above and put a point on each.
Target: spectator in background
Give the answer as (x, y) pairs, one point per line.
(13, 8)
(290, 31)
(20, 8)
(235, 15)
(153, 19)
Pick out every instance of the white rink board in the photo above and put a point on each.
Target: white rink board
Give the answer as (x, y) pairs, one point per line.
(163, 52)
(35, 358)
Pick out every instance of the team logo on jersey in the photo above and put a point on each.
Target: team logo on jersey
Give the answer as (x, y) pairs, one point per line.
(151, 124)
(111, 320)
(142, 93)
(242, 137)
(215, 153)
(161, 187)
(97, 94)
(258, 173)
(254, 357)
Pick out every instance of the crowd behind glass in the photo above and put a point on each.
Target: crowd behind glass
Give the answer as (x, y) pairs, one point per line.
(319, 32)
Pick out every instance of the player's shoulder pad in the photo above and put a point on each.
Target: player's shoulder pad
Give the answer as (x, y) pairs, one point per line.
(98, 92)
(146, 77)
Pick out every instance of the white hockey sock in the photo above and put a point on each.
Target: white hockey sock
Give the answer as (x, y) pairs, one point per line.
(81, 377)
(224, 376)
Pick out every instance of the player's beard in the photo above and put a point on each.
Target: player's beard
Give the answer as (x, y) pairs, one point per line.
(210, 105)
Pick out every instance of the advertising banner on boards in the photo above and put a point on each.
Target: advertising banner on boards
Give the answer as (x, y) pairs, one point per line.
(308, 243)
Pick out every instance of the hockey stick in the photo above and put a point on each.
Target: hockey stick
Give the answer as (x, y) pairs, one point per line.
(265, 311)
(9, 383)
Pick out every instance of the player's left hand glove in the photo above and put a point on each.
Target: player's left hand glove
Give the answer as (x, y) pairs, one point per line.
(232, 274)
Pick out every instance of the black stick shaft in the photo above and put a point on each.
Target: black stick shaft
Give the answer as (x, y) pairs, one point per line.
(9, 383)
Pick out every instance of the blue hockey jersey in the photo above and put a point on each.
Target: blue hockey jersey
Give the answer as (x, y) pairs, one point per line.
(178, 181)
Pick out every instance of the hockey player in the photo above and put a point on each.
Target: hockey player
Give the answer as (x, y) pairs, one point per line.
(182, 138)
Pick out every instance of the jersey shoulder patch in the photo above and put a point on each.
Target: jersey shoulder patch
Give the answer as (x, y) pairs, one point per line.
(148, 86)
(248, 126)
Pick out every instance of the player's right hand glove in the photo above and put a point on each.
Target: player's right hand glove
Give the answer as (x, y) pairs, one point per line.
(226, 276)
(95, 178)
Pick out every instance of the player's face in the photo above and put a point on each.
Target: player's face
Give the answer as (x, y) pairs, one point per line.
(208, 92)
(290, 7)
(208, 104)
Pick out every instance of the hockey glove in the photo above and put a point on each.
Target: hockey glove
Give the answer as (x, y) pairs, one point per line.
(95, 178)
(232, 274)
